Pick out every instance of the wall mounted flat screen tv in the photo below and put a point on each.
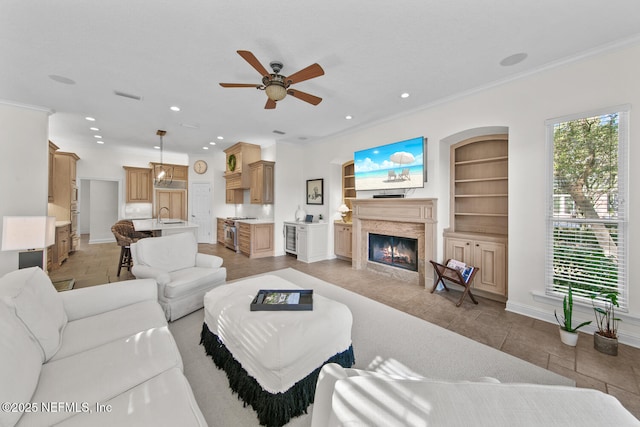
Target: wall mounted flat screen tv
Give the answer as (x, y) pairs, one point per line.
(392, 166)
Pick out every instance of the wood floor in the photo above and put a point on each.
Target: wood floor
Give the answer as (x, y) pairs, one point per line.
(526, 338)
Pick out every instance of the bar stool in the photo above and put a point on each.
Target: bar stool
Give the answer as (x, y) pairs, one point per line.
(125, 234)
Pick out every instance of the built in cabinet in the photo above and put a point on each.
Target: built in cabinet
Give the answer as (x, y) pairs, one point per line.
(237, 176)
(139, 182)
(64, 203)
(171, 204)
(479, 198)
(52, 155)
(343, 240)
(308, 241)
(348, 187)
(255, 240)
(175, 172)
(261, 185)
(220, 230)
(62, 245)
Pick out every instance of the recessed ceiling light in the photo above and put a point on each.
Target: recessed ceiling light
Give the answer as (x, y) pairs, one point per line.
(97, 136)
(61, 79)
(513, 59)
(404, 95)
(348, 117)
(212, 143)
(205, 148)
(100, 142)
(91, 119)
(174, 108)
(157, 147)
(94, 129)
(220, 137)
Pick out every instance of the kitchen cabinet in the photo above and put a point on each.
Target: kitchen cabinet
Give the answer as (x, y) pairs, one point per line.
(261, 186)
(255, 240)
(234, 197)
(342, 240)
(176, 172)
(489, 253)
(306, 240)
(237, 175)
(64, 205)
(220, 230)
(139, 183)
(62, 244)
(175, 201)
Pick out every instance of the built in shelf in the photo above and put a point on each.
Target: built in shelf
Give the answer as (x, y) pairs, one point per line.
(479, 161)
(482, 195)
(496, 178)
(480, 214)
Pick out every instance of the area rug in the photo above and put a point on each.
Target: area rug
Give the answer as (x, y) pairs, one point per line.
(381, 336)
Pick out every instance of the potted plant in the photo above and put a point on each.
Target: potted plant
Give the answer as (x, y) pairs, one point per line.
(605, 339)
(568, 333)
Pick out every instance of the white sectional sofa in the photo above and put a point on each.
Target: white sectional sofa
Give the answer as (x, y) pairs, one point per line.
(354, 397)
(99, 356)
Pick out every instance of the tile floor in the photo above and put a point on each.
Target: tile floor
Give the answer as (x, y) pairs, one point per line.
(529, 339)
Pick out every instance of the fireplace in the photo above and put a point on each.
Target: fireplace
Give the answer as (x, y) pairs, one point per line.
(407, 219)
(401, 252)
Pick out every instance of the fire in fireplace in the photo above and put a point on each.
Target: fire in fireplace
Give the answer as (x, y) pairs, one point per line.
(396, 251)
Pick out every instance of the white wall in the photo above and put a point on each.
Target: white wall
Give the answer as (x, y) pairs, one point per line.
(522, 106)
(23, 189)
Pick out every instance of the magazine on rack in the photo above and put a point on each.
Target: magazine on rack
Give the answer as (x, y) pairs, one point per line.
(464, 269)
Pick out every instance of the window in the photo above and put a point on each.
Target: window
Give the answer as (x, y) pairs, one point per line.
(586, 215)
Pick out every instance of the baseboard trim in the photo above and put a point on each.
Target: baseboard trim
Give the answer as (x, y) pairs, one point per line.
(624, 337)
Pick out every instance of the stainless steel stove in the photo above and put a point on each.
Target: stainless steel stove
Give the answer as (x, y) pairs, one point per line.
(231, 232)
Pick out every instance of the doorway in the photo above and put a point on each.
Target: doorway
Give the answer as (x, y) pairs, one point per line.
(99, 204)
(201, 210)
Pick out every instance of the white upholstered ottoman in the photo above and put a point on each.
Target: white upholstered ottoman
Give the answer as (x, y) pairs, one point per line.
(273, 358)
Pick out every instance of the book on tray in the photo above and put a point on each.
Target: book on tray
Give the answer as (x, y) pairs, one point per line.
(282, 299)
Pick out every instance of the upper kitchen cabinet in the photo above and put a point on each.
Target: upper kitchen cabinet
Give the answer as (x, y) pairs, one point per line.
(139, 182)
(239, 156)
(261, 173)
(176, 172)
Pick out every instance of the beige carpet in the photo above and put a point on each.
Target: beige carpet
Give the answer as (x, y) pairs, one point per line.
(380, 335)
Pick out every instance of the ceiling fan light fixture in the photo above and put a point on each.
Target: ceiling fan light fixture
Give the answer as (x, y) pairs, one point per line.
(276, 90)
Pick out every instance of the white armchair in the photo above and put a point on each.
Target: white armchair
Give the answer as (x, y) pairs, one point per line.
(183, 275)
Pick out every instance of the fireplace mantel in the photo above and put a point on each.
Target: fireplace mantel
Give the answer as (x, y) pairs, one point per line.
(415, 218)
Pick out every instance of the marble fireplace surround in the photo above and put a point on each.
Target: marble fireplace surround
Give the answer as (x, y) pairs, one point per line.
(413, 218)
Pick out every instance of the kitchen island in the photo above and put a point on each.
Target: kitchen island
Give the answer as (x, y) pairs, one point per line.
(165, 227)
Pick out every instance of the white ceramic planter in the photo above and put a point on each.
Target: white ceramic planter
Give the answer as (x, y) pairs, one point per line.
(568, 338)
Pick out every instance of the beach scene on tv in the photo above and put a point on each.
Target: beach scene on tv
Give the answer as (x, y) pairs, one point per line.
(391, 166)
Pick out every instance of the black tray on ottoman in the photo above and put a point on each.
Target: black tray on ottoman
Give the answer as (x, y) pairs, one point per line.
(280, 300)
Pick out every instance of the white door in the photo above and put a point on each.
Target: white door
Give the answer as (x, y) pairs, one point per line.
(201, 210)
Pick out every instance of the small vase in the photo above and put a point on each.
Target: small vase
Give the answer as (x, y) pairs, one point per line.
(300, 214)
(568, 338)
(605, 345)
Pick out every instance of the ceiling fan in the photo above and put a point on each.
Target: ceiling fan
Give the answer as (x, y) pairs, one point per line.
(277, 86)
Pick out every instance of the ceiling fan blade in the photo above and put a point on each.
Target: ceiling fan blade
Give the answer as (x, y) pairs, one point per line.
(311, 99)
(270, 105)
(239, 85)
(253, 61)
(313, 70)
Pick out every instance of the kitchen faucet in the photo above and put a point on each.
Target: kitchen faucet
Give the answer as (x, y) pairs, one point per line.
(160, 212)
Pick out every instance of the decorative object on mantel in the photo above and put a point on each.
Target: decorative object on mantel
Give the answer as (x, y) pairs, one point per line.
(343, 209)
(162, 174)
(605, 339)
(568, 333)
(315, 191)
(29, 234)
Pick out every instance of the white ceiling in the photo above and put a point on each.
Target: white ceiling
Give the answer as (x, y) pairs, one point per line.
(176, 52)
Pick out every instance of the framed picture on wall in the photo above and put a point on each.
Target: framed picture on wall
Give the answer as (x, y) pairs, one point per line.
(315, 191)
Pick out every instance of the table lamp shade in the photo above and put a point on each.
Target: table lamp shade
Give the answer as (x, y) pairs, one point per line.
(28, 232)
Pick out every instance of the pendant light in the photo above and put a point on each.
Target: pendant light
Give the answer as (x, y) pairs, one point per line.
(162, 175)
